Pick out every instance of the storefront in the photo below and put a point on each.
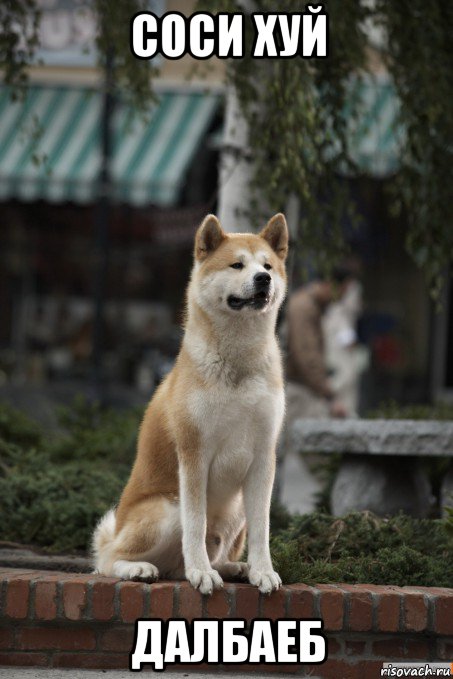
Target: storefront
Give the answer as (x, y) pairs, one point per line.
(163, 178)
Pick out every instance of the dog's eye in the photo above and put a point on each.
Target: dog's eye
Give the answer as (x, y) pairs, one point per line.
(237, 265)
(268, 267)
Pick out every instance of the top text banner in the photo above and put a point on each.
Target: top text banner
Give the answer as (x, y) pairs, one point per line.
(282, 35)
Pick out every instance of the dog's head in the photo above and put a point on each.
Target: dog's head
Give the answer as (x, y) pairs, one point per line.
(240, 273)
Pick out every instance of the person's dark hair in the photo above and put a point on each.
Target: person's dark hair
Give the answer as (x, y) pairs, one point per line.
(340, 274)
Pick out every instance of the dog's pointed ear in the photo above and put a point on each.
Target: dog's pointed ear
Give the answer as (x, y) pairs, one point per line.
(209, 236)
(276, 234)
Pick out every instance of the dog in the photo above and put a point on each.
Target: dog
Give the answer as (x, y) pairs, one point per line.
(205, 463)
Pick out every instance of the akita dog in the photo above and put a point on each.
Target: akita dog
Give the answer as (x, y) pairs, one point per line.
(205, 462)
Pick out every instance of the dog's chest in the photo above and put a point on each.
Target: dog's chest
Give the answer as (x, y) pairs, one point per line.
(224, 413)
(234, 423)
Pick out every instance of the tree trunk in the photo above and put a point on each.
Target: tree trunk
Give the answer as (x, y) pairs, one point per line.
(236, 168)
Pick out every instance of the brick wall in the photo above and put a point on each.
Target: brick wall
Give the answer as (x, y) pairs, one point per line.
(51, 619)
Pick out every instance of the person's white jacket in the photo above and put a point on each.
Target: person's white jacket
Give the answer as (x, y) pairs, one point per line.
(345, 358)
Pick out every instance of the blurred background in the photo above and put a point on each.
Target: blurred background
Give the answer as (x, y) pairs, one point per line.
(99, 205)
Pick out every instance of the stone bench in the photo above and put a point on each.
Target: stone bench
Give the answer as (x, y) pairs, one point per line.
(380, 470)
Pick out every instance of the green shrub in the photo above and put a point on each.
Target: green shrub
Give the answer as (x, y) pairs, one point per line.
(54, 506)
(364, 548)
(53, 490)
(90, 432)
(15, 427)
(391, 410)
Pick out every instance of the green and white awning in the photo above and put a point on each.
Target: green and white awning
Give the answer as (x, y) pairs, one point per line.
(50, 142)
(50, 145)
(374, 134)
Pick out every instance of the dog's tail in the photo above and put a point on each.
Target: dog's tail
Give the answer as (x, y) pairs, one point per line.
(102, 542)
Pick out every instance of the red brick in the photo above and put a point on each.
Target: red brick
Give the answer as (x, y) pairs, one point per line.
(388, 612)
(189, 602)
(41, 638)
(247, 602)
(24, 659)
(118, 639)
(360, 611)
(335, 669)
(331, 606)
(85, 578)
(218, 604)
(354, 648)
(273, 605)
(372, 589)
(415, 612)
(17, 597)
(161, 605)
(402, 648)
(417, 650)
(46, 600)
(390, 648)
(444, 615)
(6, 572)
(333, 647)
(132, 603)
(6, 637)
(434, 591)
(369, 669)
(74, 599)
(302, 600)
(54, 576)
(95, 661)
(103, 599)
(444, 650)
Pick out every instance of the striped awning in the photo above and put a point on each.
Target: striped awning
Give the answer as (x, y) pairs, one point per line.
(50, 145)
(375, 136)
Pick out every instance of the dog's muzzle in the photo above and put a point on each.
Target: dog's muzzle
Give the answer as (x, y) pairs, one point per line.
(260, 298)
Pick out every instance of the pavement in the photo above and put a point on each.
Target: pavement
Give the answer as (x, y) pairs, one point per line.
(71, 673)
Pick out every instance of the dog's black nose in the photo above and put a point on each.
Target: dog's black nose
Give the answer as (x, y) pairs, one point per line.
(262, 280)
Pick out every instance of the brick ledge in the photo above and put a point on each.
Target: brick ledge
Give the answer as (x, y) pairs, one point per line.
(55, 619)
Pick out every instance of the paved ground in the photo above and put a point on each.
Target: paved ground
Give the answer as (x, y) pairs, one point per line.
(31, 673)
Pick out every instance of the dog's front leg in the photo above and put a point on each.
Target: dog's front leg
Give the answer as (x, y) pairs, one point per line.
(193, 489)
(257, 500)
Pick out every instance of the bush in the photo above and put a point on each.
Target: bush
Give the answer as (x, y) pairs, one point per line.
(94, 434)
(361, 547)
(54, 489)
(18, 428)
(391, 410)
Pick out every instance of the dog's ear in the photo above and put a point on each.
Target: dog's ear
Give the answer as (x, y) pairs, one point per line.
(276, 234)
(209, 236)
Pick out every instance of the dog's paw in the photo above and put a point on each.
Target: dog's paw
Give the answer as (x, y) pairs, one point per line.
(135, 570)
(204, 580)
(267, 581)
(238, 570)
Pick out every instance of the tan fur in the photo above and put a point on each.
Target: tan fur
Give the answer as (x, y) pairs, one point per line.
(206, 449)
